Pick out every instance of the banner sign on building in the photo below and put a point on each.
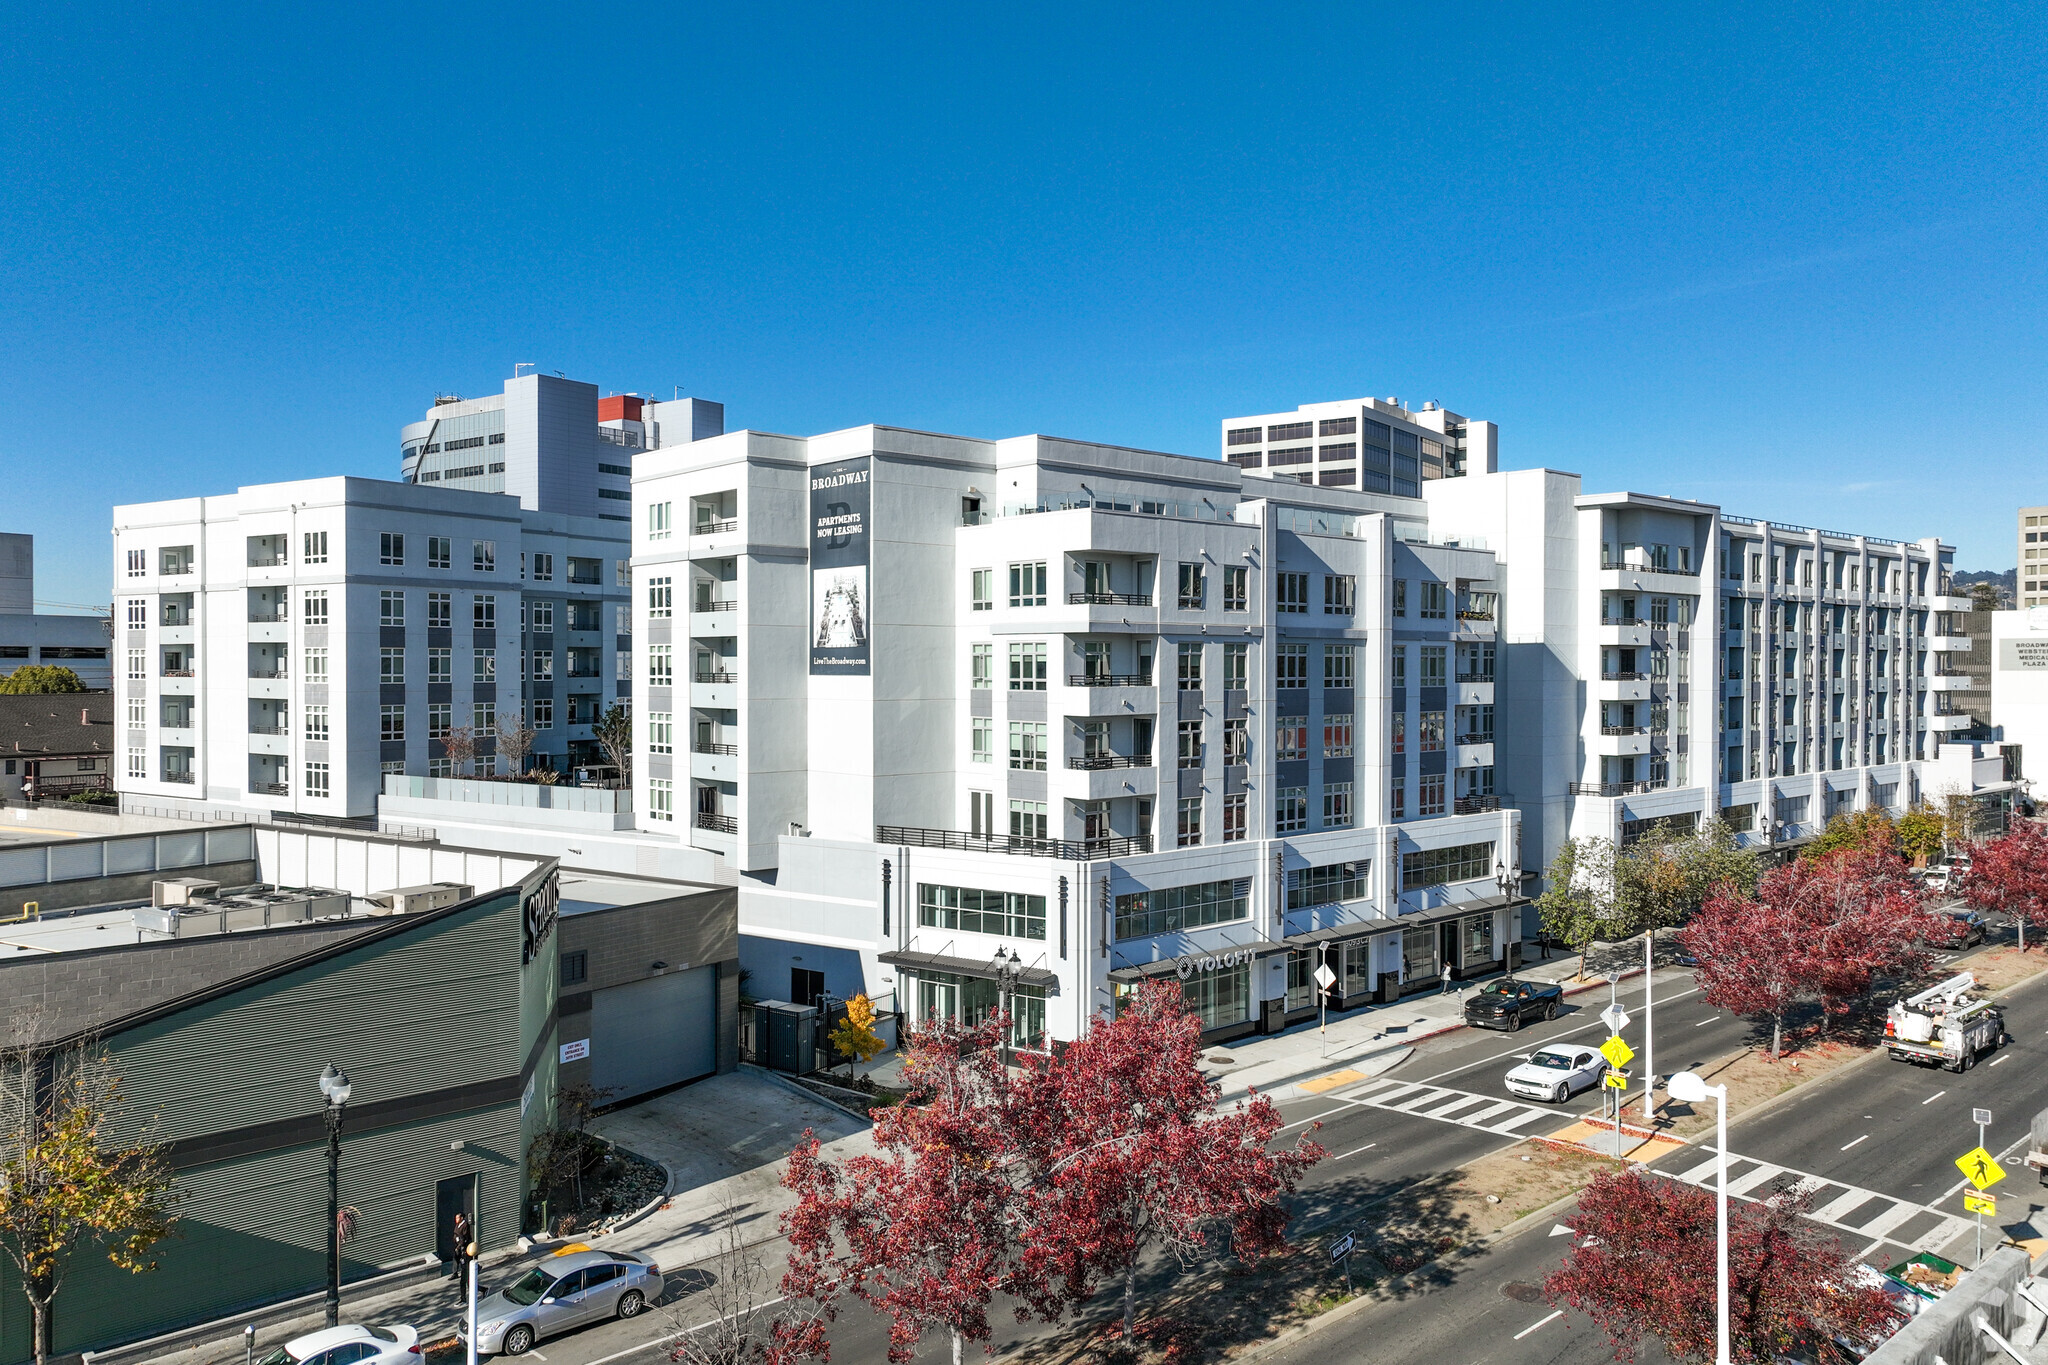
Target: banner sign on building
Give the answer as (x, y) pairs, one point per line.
(2023, 654)
(840, 614)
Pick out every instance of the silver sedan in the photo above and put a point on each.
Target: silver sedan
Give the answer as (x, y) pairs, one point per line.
(561, 1294)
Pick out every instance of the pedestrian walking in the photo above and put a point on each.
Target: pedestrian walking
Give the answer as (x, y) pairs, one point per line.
(464, 1235)
(1450, 986)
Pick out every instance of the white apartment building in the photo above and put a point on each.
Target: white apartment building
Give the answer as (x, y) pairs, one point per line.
(921, 693)
(286, 646)
(551, 442)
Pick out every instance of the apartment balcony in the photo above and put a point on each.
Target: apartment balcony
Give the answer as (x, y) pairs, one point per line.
(269, 729)
(1615, 788)
(1070, 850)
(1623, 687)
(1950, 682)
(1949, 644)
(1622, 567)
(1624, 677)
(262, 617)
(1473, 693)
(715, 766)
(714, 689)
(182, 777)
(1474, 805)
(1951, 603)
(270, 561)
(705, 746)
(270, 788)
(1473, 752)
(1631, 634)
(715, 528)
(1109, 599)
(1109, 680)
(179, 634)
(172, 570)
(1620, 741)
(273, 740)
(1948, 724)
(717, 824)
(1095, 762)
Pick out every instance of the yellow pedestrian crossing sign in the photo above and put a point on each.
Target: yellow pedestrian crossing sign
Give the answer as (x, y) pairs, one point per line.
(1981, 1203)
(1617, 1052)
(1981, 1167)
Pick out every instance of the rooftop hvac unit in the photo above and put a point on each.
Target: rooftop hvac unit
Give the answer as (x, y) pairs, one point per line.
(182, 891)
(414, 900)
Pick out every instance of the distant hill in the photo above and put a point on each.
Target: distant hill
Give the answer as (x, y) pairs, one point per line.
(2005, 580)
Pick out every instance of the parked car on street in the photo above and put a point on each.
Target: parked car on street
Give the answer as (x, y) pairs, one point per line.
(1507, 1004)
(1964, 929)
(561, 1294)
(1556, 1072)
(349, 1345)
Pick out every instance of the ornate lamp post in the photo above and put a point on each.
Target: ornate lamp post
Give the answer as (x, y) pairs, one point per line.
(1008, 967)
(334, 1085)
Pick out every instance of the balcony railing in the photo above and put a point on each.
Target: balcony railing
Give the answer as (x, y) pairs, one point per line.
(255, 672)
(1475, 677)
(255, 619)
(1109, 599)
(266, 561)
(721, 824)
(1624, 729)
(1069, 849)
(716, 604)
(1096, 762)
(1624, 620)
(1475, 616)
(1477, 737)
(1645, 568)
(1109, 680)
(1616, 788)
(269, 730)
(185, 777)
(585, 673)
(1473, 805)
(705, 746)
(171, 569)
(1624, 677)
(271, 788)
(716, 528)
(713, 675)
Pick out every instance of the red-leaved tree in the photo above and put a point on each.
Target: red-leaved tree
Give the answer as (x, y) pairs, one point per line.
(2010, 873)
(1822, 931)
(1134, 1158)
(1643, 1265)
(925, 1230)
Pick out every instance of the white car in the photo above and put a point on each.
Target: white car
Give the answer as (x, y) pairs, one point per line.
(349, 1345)
(1556, 1073)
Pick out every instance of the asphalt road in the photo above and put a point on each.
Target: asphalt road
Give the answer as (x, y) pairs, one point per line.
(1882, 1126)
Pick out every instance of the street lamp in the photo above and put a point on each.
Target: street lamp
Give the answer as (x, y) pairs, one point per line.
(334, 1085)
(1507, 882)
(1687, 1086)
(1009, 967)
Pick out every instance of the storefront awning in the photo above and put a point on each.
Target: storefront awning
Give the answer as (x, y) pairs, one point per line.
(964, 966)
(1458, 910)
(1339, 932)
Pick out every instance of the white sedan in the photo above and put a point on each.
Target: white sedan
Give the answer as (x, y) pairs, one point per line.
(1556, 1073)
(349, 1345)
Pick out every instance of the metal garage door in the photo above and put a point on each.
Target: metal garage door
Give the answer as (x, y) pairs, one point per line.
(653, 1033)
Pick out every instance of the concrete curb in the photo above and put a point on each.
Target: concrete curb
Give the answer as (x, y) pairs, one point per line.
(668, 1188)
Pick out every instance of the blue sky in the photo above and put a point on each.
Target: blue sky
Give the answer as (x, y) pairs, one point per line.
(1785, 258)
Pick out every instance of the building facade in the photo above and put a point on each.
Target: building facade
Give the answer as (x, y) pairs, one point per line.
(27, 636)
(1373, 444)
(287, 646)
(2030, 581)
(551, 442)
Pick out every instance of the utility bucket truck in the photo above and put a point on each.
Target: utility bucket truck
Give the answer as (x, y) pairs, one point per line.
(1944, 1025)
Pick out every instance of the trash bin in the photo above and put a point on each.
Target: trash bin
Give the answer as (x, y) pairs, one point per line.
(786, 1036)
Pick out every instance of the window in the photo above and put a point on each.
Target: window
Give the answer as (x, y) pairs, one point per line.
(316, 607)
(437, 552)
(483, 612)
(391, 722)
(138, 613)
(982, 664)
(1429, 794)
(1291, 592)
(1337, 805)
(1191, 744)
(390, 548)
(314, 544)
(1398, 744)
(316, 665)
(1434, 601)
(1190, 657)
(1337, 735)
(138, 565)
(484, 666)
(543, 567)
(483, 716)
(1291, 667)
(1236, 667)
(1397, 798)
(1400, 597)
(391, 608)
(658, 527)
(1027, 666)
(1027, 820)
(137, 712)
(1429, 733)
(1188, 831)
(660, 601)
(1242, 436)
(1290, 738)
(1399, 665)
(1194, 587)
(135, 663)
(1331, 884)
(1027, 584)
(575, 968)
(983, 739)
(138, 763)
(1339, 593)
(440, 664)
(1005, 914)
(440, 610)
(1290, 810)
(544, 665)
(1027, 745)
(1235, 823)
(1337, 663)
(440, 719)
(1177, 909)
(1431, 671)
(661, 666)
(1237, 589)
(661, 798)
(1433, 866)
(981, 588)
(316, 774)
(391, 664)
(316, 721)
(1475, 663)
(483, 556)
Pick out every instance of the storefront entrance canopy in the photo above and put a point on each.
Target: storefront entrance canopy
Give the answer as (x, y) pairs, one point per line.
(1456, 910)
(966, 966)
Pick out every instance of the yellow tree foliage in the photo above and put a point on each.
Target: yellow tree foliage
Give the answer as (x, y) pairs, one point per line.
(855, 1039)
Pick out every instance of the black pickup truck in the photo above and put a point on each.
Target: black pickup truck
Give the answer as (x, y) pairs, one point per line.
(1507, 1004)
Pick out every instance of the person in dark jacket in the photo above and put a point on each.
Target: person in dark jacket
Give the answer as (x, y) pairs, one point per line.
(465, 1235)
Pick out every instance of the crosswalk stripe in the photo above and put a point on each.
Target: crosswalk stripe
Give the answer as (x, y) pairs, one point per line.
(1491, 1112)
(1847, 1204)
(1762, 1174)
(1526, 1116)
(1899, 1213)
(1698, 1175)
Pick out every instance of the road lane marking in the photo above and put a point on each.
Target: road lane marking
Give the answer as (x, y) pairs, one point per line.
(1317, 1119)
(1534, 1325)
(1996, 1060)
(1932, 1098)
(1356, 1150)
(1704, 1022)
(1847, 1145)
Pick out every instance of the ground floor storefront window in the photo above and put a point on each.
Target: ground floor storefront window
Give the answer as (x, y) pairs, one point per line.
(1478, 939)
(971, 999)
(1418, 952)
(1218, 998)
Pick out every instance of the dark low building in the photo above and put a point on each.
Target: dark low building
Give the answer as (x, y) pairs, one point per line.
(218, 1017)
(649, 984)
(56, 744)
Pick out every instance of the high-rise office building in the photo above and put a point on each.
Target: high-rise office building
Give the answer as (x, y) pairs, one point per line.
(2030, 586)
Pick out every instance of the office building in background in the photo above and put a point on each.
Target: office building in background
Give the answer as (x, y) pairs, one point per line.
(27, 636)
